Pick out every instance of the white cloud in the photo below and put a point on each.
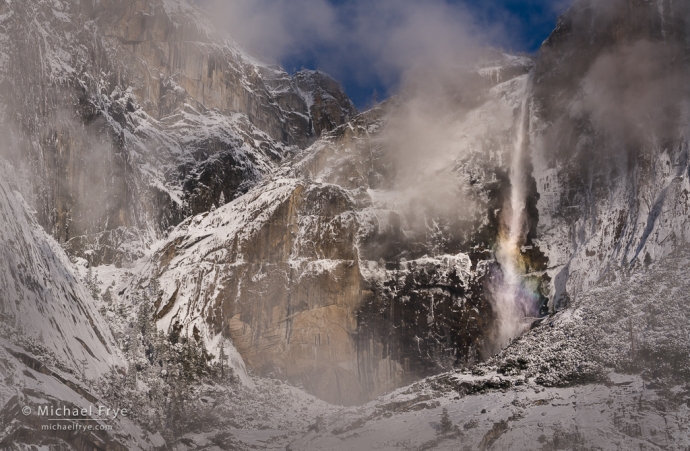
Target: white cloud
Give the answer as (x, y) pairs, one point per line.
(357, 40)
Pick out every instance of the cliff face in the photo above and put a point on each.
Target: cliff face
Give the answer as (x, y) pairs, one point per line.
(126, 118)
(611, 140)
(329, 106)
(324, 244)
(607, 190)
(174, 58)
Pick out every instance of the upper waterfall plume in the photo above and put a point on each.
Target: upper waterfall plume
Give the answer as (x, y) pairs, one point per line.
(512, 301)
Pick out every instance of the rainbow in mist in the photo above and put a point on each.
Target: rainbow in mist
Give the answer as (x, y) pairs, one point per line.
(515, 302)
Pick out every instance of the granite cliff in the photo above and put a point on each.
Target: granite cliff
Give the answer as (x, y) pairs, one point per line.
(147, 115)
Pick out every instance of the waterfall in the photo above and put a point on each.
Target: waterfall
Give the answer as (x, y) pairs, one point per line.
(513, 302)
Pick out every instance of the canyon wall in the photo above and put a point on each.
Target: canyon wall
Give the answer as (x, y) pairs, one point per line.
(127, 118)
(336, 277)
(610, 137)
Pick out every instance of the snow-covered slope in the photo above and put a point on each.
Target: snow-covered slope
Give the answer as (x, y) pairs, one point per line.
(128, 117)
(52, 338)
(43, 303)
(622, 415)
(58, 352)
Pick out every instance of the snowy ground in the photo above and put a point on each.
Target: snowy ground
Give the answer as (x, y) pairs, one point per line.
(623, 415)
(268, 417)
(235, 417)
(248, 413)
(608, 373)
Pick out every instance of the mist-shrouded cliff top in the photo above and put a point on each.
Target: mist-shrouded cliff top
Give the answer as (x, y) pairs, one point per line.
(151, 115)
(233, 253)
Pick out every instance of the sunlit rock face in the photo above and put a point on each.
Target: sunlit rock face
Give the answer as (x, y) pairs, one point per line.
(255, 271)
(151, 123)
(176, 57)
(290, 290)
(343, 252)
(610, 140)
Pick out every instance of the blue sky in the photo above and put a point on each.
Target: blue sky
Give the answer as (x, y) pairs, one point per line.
(526, 24)
(370, 44)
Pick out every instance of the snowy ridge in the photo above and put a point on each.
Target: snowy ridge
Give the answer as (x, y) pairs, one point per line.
(504, 66)
(46, 387)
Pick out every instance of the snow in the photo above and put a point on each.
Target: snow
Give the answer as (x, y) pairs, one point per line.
(584, 415)
(43, 299)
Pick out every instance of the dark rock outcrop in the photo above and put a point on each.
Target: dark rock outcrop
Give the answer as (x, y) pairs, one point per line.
(329, 105)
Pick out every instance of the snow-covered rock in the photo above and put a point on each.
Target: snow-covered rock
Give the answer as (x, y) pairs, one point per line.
(147, 115)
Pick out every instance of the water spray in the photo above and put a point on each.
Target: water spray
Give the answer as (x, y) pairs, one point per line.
(514, 303)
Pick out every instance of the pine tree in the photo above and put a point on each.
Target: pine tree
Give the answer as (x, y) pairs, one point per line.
(83, 363)
(144, 323)
(92, 284)
(446, 423)
(108, 296)
(154, 288)
(647, 260)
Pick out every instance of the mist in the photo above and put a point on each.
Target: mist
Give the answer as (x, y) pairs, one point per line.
(174, 222)
(427, 53)
(635, 92)
(372, 45)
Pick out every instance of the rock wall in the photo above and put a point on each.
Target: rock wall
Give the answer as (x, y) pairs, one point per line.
(328, 104)
(610, 140)
(127, 117)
